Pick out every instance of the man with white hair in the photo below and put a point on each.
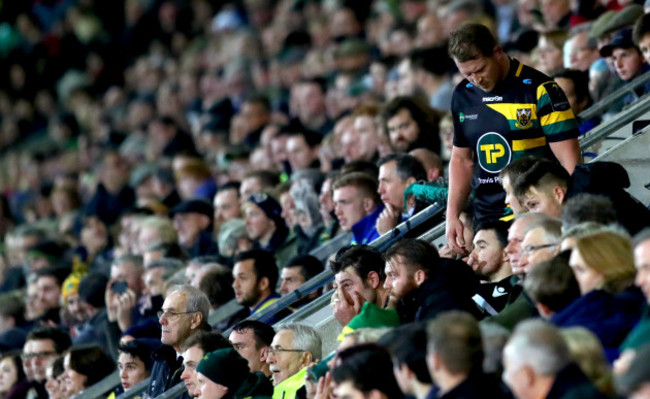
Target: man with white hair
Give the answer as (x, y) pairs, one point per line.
(537, 364)
(294, 348)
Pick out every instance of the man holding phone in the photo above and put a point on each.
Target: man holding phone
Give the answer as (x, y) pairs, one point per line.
(124, 291)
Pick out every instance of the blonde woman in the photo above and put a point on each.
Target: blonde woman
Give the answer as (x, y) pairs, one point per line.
(589, 354)
(610, 305)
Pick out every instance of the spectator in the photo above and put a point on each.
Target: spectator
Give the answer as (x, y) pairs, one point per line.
(196, 348)
(48, 282)
(85, 366)
(431, 162)
(255, 276)
(638, 336)
(546, 186)
(455, 357)
(628, 61)
(183, 314)
(549, 49)
(357, 205)
(609, 305)
(302, 148)
(55, 384)
(257, 182)
(575, 84)
(193, 221)
(120, 307)
(538, 364)
(310, 102)
(224, 374)
(361, 142)
(358, 277)
(489, 260)
(641, 36)
(293, 349)
(408, 347)
(583, 50)
(411, 124)
(541, 242)
(227, 204)
(13, 383)
(155, 230)
(216, 284)
(267, 229)
(95, 328)
(367, 370)
(156, 274)
(252, 339)
(588, 208)
(588, 353)
(551, 286)
(42, 345)
(300, 270)
(396, 173)
(507, 178)
(424, 285)
(113, 195)
(134, 361)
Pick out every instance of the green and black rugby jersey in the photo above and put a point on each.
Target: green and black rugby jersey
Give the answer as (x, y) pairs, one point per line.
(519, 118)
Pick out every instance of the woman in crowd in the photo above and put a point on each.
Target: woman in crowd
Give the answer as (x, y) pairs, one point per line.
(13, 383)
(610, 304)
(54, 383)
(85, 366)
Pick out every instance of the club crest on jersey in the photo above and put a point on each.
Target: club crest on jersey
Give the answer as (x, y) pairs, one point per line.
(523, 118)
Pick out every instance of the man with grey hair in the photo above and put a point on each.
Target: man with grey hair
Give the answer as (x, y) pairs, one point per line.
(583, 49)
(541, 242)
(184, 313)
(293, 349)
(455, 358)
(537, 364)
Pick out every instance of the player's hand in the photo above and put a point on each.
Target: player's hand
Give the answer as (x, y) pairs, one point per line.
(454, 234)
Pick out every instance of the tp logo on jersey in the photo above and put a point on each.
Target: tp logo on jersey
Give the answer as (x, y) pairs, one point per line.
(493, 152)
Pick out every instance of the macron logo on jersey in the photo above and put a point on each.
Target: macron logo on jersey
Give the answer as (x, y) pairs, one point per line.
(492, 99)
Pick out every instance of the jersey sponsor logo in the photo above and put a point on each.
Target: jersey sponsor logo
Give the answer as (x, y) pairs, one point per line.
(499, 291)
(469, 85)
(559, 102)
(469, 117)
(523, 118)
(493, 152)
(492, 99)
(528, 81)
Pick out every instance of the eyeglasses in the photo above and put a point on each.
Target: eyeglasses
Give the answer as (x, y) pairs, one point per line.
(27, 356)
(527, 250)
(171, 315)
(277, 351)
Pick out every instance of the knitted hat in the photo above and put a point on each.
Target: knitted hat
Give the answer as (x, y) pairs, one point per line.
(270, 206)
(224, 367)
(70, 286)
(371, 316)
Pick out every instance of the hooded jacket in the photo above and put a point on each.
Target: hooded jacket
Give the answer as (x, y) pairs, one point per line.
(256, 386)
(610, 180)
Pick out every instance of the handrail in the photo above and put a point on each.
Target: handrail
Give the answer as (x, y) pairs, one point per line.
(137, 390)
(323, 251)
(601, 106)
(224, 311)
(616, 122)
(102, 387)
(173, 392)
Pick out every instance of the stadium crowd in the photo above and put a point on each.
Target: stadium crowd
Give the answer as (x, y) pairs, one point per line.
(160, 159)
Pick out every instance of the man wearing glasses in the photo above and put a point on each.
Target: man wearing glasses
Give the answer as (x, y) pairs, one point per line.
(293, 349)
(42, 345)
(541, 242)
(183, 314)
